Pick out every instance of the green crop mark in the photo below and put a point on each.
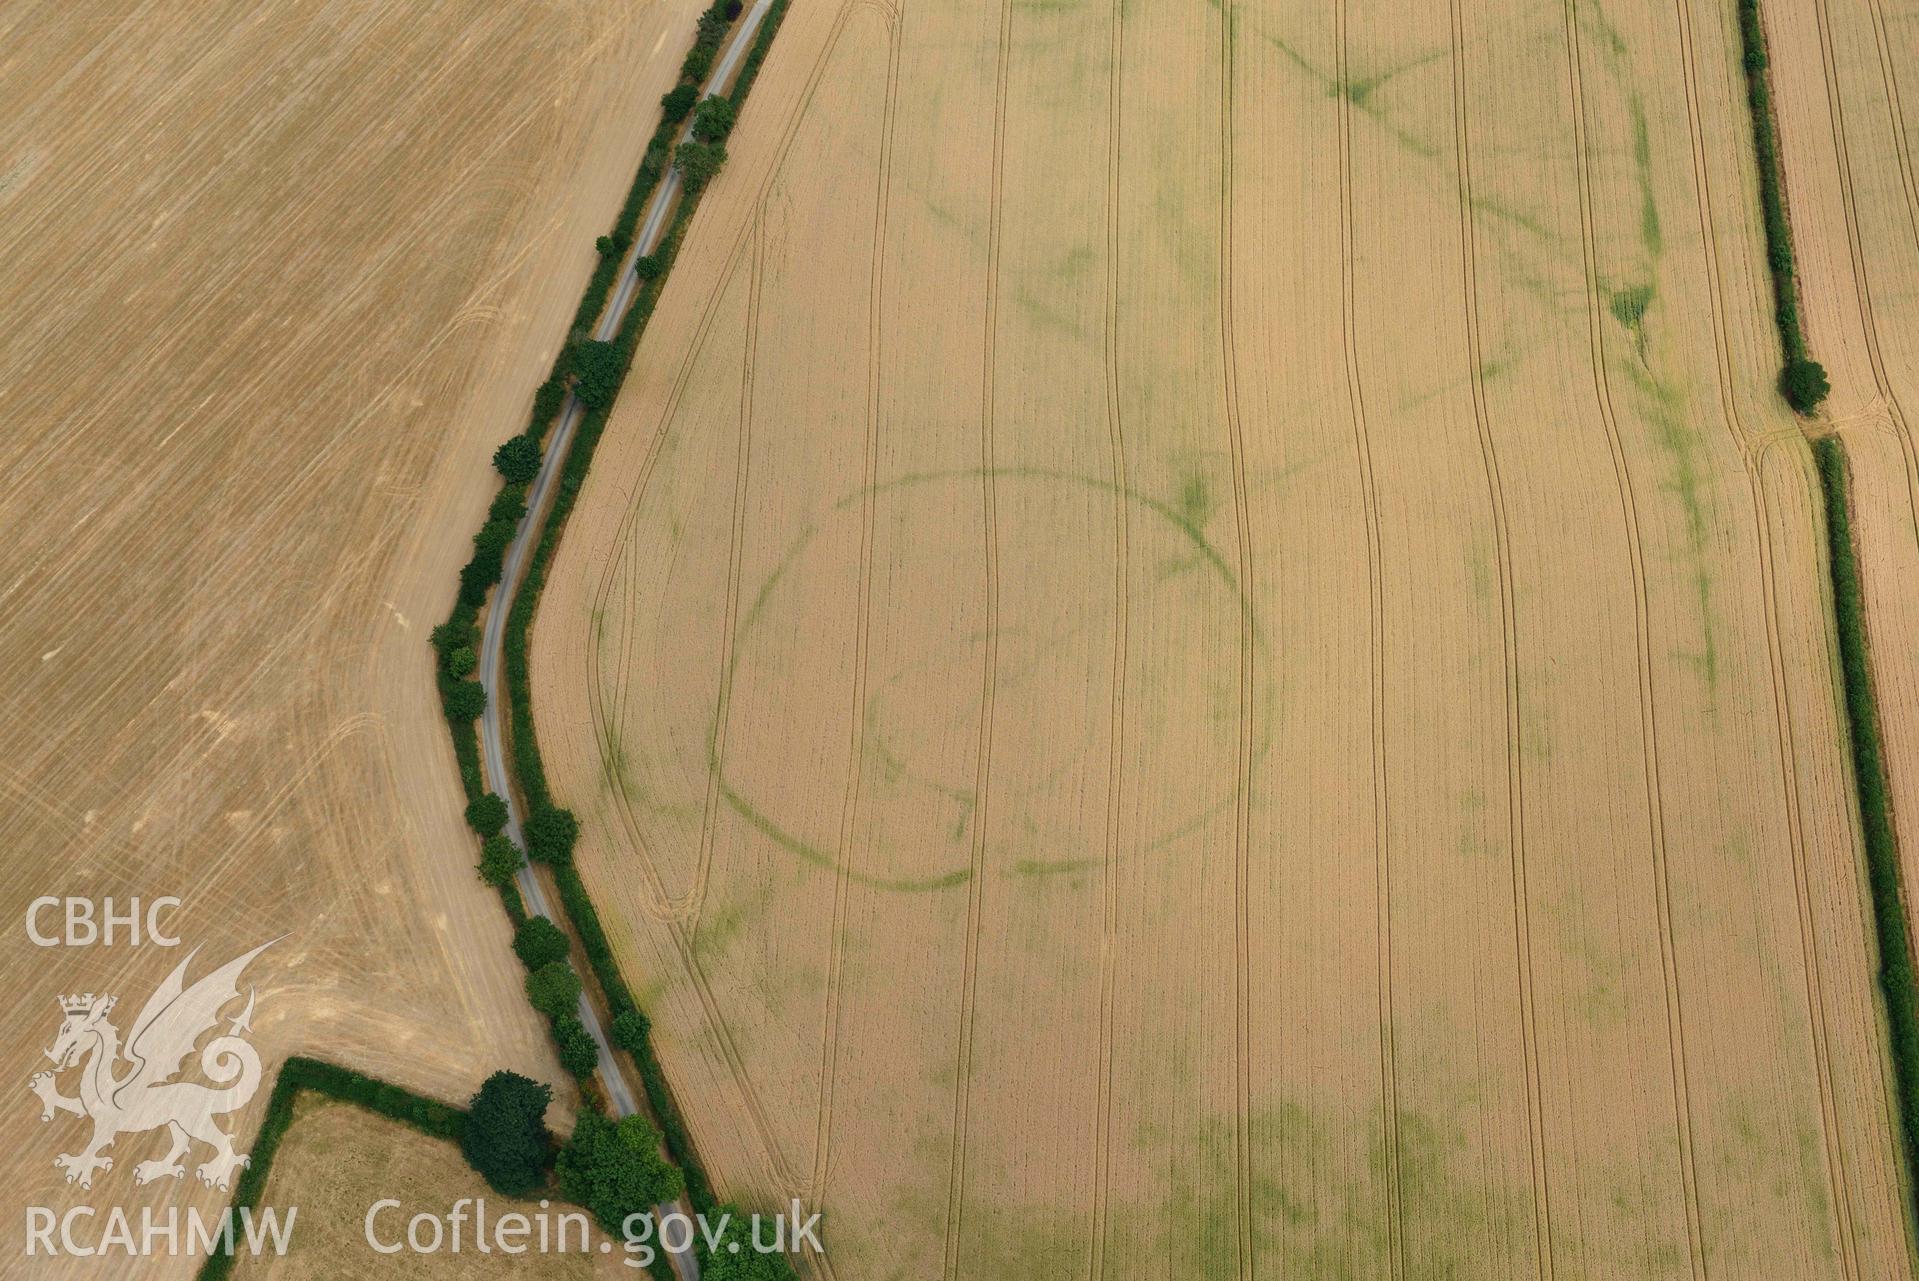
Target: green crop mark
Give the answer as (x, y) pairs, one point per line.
(1180, 517)
(1053, 867)
(1479, 568)
(1628, 305)
(1359, 92)
(717, 927)
(1774, 1149)
(819, 858)
(1499, 209)
(1658, 399)
(1359, 89)
(1649, 232)
(1049, 316)
(1597, 973)
(894, 769)
(1660, 406)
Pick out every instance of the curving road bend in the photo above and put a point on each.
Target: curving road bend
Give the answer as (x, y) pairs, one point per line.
(539, 499)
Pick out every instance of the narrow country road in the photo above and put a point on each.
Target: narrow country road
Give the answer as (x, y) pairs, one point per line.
(539, 499)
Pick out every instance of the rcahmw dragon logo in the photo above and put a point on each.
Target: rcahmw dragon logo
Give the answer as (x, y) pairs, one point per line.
(144, 1096)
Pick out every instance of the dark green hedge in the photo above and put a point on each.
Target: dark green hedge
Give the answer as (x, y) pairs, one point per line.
(750, 69)
(1797, 381)
(429, 1116)
(1896, 978)
(607, 366)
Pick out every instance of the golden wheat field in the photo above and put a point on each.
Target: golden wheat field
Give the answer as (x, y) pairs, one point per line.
(1200, 646)
(276, 279)
(1847, 77)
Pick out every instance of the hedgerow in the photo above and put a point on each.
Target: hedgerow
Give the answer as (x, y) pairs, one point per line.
(1802, 381)
(429, 1116)
(1896, 978)
(750, 69)
(594, 371)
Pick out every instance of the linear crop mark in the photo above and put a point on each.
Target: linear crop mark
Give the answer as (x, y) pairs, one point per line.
(1868, 322)
(1242, 944)
(723, 700)
(1115, 765)
(1642, 632)
(975, 889)
(1509, 646)
(1833, 1147)
(781, 1171)
(849, 809)
(1382, 870)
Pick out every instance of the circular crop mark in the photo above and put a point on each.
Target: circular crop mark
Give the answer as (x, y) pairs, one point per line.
(1176, 570)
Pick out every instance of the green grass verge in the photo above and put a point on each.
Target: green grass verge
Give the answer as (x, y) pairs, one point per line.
(1896, 979)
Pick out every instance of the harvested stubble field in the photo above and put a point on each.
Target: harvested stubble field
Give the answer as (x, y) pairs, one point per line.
(276, 280)
(1201, 648)
(1847, 81)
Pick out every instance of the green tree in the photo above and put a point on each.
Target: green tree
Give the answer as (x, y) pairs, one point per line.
(578, 1054)
(1804, 384)
(464, 700)
(547, 401)
(518, 459)
(478, 575)
(494, 537)
(449, 636)
(550, 834)
(553, 989)
(678, 102)
(616, 1169)
(539, 942)
(597, 369)
(500, 858)
(713, 119)
(733, 1256)
(462, 661)
(509, 504)
(630, 1028)
(506, 1137)
(698, 162)
(486, 814)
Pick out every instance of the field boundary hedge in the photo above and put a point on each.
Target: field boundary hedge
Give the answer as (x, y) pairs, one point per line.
(1802, 381)
(345, 1085)
(1893, 929)
(631, 1029)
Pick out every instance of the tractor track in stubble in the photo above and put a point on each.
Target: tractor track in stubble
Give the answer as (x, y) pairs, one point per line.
(1751, 446)
(679, 928)
(1382, 859)
(1115, 767)
(1509, 664)
(1868, 322)
(975, 886)
(869, 490)
(1642, 634)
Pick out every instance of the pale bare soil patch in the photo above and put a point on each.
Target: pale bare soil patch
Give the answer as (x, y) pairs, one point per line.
(1199, 648)
(276, 280)
(337, 1161)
